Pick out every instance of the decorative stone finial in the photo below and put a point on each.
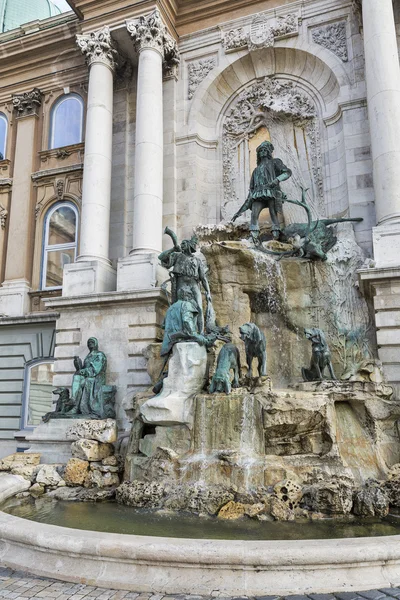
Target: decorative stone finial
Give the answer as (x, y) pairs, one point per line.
(98, 46)
(27, 103)
(149, 31)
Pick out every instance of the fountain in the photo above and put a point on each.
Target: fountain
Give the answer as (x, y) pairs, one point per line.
(303, 443)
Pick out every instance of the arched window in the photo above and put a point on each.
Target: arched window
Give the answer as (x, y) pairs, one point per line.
(66, 121)
(60, 243)
(37, 396)
(3, 135)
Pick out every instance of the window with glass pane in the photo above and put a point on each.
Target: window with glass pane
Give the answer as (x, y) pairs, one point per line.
(38, 393)
(66, 121)
(3, 136)
(60, 242)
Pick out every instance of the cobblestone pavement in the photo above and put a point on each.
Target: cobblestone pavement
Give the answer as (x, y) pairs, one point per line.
(17, 585)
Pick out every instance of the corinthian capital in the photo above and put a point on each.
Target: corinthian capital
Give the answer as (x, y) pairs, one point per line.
(149, 31)
(27, 103)
(98, 46)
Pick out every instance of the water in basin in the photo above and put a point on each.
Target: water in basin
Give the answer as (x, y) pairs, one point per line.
(115, 518)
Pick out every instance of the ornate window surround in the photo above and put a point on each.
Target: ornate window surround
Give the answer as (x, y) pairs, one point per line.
(25, 425)
(3, 143)
(53, 115)
(46, 247)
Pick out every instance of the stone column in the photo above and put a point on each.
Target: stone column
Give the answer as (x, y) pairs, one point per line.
(14, 299)
(155, 47)
(383, 95)
(92, 272)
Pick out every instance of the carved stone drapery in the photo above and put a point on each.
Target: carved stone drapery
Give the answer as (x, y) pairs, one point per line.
(149, 31)
(98, 46)
(262, 32)
(333, 37)
(269, 101)
(197, 71)
(26, 104)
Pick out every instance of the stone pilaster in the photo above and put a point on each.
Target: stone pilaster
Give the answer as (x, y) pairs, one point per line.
(14, 299)
(93, 272)
(156, 48)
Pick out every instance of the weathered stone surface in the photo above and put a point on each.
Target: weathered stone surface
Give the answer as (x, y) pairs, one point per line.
(96, 495)
(76, 471)
(392, 489)
(371, 501)
(177, 437)
(37, 490)
(11, 485)
(111, 461)
(141, 494)
(48, 475)
(104, 431)
(103, 468)
(91, 450)
(19, 459)
(280, 510)
(290, 492)
(232, 510)
(98, 479)
(65, 493)
(254, 510)
(329, 497)
(27, 471)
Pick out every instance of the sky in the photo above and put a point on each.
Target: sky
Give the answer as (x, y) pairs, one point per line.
(62, 4)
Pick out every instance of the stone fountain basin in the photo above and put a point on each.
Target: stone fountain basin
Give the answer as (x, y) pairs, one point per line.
(187, 566)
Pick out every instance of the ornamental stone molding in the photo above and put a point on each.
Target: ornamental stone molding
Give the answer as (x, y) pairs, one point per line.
(262, 32)
(149, 31)
(3, 216)
(98, 46)
(197, 71)
(333, 37)
(26, 104)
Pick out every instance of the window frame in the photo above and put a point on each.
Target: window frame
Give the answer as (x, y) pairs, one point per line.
(4, 118)
(29, 365)
(46, 247)
(53, 114)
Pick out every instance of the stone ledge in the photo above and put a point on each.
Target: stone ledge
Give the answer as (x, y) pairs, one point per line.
(126, 297)
(171, 565)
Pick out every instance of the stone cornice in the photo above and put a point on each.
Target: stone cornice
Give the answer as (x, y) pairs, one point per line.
(27, 103)
(59, 171)
(98, 46)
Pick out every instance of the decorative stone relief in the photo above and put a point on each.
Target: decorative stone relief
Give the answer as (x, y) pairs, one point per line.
(3, 216)
(60, 188)
(26, 104)
(235, 39)
(333, 37)
(98, 46)
(197, 71)
(149, 31)
(270, 103)
(63, 154)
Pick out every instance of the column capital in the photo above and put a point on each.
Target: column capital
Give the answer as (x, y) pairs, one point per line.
(26, 104)
(149, 31)
(98, 46)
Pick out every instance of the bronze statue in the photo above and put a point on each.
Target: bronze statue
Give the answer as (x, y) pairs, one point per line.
(320, 357)
(228, 360)
(256, 347)
(90, 396)
(265, 191)
(187, 271)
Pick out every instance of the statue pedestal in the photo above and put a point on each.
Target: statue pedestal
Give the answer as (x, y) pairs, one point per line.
(50, 440)
(186, 378)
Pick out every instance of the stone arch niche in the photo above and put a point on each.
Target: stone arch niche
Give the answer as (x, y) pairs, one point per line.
(289, 93)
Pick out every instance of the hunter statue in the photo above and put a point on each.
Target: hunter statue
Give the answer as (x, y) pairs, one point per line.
(265, 191)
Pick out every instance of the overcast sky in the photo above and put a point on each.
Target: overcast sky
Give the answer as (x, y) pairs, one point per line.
(62, 4)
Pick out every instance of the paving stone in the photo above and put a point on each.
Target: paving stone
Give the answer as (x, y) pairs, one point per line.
(323, 596)
(373, 595)
(348, 595)
(394, 592)
(266, 597)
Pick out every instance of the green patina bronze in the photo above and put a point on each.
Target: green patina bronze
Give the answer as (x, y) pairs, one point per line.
(90, 396)
(265, 191)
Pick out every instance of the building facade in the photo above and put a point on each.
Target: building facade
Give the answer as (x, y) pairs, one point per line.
(120, 118)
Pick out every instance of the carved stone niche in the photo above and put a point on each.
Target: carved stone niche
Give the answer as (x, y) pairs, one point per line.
(277, 110)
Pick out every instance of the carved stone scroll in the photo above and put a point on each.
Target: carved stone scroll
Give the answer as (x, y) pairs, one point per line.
(333, 37)
(98, 46)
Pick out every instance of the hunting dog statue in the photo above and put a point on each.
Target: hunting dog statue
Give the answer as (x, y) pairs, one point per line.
(320, 357)
(228, 360)
(255, 346)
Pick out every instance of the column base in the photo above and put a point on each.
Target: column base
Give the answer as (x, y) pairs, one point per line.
(140, 272)
(386, 241)
(88, 277)
(383, 286)
(14, 298)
